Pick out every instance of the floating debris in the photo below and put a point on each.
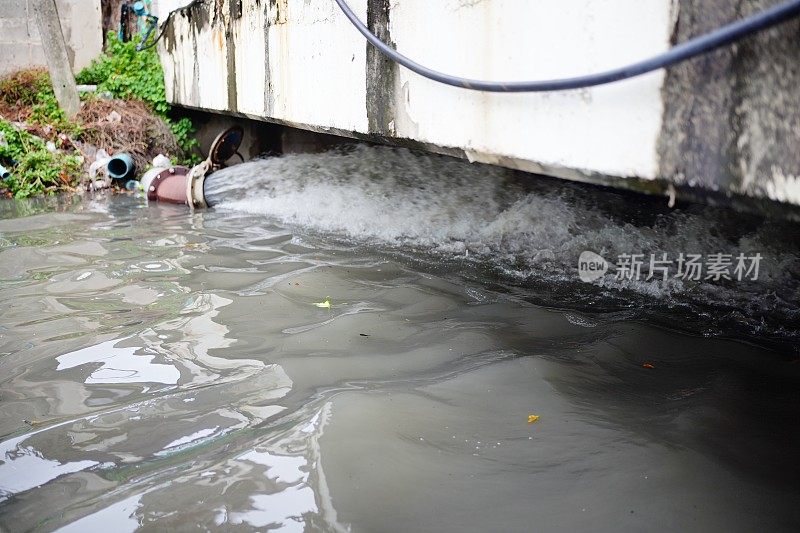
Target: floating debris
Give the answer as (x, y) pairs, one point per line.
(532, 418)
(326, 304)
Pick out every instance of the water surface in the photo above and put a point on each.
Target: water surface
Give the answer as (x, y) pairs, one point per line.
(169, 370)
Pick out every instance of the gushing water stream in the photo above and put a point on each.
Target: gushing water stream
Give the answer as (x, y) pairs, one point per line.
(526, 232)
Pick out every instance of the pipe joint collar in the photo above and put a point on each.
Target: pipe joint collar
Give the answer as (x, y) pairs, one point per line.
(194, 185)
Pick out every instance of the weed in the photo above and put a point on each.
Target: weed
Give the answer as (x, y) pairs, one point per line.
(128, 74)
(25, 87)
(36, 170)
(122, 71)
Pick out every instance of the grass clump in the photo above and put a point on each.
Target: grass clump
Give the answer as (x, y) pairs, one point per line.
(24, 88)
(28, 96)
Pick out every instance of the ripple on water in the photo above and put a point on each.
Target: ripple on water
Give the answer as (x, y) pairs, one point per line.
(214, 394)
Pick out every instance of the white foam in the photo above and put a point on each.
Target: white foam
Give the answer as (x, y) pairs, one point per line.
(443, 205)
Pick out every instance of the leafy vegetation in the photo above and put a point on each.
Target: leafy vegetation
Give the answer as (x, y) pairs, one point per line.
(36, 170)
(31, 90)
(128, 74)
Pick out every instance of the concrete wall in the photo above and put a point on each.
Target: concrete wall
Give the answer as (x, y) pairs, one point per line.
(20, 46)
(162, 8)
(727, 124)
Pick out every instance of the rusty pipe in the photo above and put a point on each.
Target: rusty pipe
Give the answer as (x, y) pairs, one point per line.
(169, 186)
(177, 185)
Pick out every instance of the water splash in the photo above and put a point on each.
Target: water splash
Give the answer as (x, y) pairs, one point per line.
(524, 229)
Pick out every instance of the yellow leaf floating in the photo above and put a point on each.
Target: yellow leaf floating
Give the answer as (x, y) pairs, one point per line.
(325, 305)
(532, 418)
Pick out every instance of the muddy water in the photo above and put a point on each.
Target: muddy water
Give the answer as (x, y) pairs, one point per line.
(167, 370)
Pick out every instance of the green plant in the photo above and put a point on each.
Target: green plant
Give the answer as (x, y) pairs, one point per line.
(46, 112)
(32, 89)
(127, 73)
(25, 87)
(183, 129)
(34, 169)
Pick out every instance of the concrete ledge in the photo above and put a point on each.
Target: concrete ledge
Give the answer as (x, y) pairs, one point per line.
(725, 125)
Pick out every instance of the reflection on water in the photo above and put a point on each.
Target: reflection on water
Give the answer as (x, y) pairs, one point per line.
(24, 467)
(170, 370)
(119, 365)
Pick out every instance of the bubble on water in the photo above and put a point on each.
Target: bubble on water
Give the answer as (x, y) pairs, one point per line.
(153, 266)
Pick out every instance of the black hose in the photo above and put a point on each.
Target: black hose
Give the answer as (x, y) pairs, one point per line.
(687, 50)
(143, 46)
(152, 24)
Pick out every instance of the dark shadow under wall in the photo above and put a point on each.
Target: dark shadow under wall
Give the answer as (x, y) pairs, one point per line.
(260, 138)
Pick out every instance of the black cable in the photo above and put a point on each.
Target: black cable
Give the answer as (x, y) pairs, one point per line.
(164, 26)
(155, 41)
(681, 52)
(152, 24)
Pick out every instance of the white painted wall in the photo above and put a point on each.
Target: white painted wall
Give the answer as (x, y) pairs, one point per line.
(612, 129)
(162, 8)
(317, 67)
(316, 63)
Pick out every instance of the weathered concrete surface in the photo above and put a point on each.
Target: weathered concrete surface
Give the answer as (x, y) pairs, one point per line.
(726, 124)
(21, 47)
(732, 118)
(55, 52)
